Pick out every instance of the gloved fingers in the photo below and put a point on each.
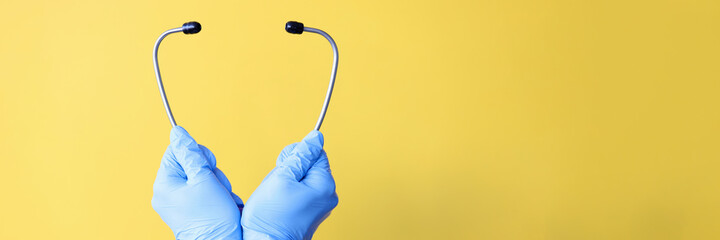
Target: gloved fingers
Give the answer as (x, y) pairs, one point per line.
(226, 183)
(209, 156)
(285, 153)
(190, 156)
(319, 176)
(237, 199)
(169, 173)
(303, 156)
(223, 179)
(212, 161)
(322, 163)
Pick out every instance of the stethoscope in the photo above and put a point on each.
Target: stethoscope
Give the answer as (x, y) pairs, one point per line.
(291, 27)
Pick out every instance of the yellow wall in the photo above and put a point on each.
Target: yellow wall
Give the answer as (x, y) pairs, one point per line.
(450, 120)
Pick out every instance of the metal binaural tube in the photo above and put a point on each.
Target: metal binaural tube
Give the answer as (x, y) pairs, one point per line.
(187, 28)
(328, 95)
(157, 73)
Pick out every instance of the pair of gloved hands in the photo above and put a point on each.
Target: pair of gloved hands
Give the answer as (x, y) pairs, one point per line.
(195, 198)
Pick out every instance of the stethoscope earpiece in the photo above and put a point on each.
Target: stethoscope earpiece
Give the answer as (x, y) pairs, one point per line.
(294, 27)
(191, 27)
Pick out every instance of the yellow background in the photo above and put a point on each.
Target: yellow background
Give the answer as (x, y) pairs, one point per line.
(450, 119)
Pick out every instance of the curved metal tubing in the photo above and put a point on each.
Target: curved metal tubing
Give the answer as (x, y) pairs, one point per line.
(332, 74)
(157, 73)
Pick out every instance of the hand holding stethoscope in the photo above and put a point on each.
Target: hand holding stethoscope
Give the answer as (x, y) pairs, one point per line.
(290, 27)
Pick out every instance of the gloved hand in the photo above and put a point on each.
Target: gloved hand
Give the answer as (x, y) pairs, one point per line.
(192, 195)
(295, 197)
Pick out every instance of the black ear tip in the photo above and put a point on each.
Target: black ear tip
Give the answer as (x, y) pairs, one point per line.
(191, 27)
(294, 27)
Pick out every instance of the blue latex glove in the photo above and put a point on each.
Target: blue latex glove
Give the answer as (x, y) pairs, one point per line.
(295, 197)
(192, 195)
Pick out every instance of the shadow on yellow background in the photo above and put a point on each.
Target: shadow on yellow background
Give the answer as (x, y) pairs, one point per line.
(450, 119)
